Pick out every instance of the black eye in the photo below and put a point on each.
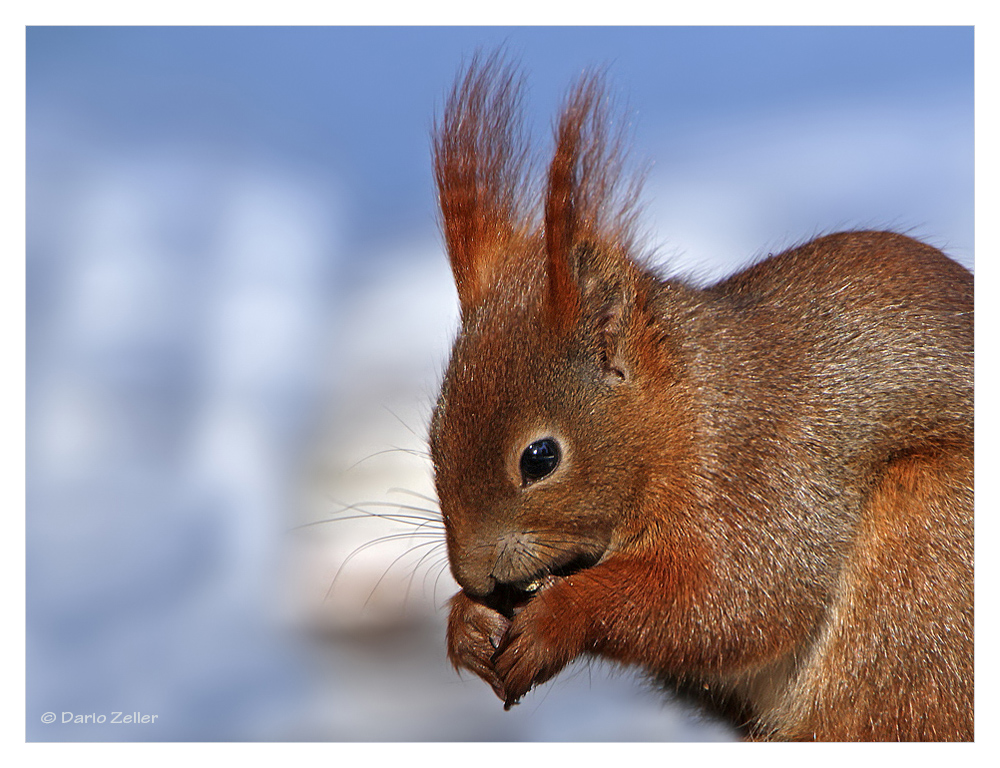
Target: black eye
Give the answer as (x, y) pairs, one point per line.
(539, 459)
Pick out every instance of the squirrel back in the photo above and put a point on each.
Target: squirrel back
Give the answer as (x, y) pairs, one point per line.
(760, 490)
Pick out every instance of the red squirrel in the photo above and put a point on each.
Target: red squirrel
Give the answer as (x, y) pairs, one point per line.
(759, 491)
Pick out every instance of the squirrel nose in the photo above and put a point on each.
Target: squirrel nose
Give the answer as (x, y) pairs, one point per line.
(485, 566)
(472, 577)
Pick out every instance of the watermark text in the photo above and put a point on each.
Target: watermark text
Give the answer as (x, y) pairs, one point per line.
(100, 718)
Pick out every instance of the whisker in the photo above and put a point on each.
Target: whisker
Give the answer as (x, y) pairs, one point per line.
(395, 560)
(406, 426)
(367, 545)
(429, 499)
(433, 551)
(401, 519)
(397, 449)
(428, 517)
(441, 571)
(423, 525)
(437, 552)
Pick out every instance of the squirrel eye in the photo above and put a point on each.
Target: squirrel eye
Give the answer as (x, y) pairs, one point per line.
(539, 459)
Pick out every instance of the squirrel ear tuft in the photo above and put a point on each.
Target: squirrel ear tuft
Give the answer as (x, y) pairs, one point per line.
(484, 186)
(480, 151)
(561, 212)
(585, 203)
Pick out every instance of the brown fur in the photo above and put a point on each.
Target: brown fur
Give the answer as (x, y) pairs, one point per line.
(765, 487)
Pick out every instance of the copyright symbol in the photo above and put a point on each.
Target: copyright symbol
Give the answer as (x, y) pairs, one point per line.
(49, 717)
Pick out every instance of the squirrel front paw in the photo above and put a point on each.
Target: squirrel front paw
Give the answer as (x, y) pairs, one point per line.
(474, 634)
(544, 636)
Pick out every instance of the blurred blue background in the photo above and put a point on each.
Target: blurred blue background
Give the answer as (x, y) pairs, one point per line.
(237, 304)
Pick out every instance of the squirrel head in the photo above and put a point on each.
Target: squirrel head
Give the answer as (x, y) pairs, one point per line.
(539, 438)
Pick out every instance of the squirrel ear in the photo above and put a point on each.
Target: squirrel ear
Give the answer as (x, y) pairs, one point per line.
(480, 152)
(610, 308)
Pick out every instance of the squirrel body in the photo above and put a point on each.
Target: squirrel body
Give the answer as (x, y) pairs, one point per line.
(760, 491)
